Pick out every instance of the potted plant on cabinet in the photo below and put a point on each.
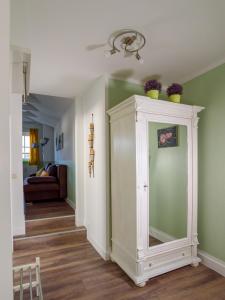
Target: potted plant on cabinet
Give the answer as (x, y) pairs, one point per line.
(153, 88)
(174, 92)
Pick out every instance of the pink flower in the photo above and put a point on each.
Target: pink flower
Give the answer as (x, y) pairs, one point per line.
(162, 139)
(168, 135)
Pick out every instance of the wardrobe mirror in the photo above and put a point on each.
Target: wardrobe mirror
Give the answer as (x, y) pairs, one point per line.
(168, 181)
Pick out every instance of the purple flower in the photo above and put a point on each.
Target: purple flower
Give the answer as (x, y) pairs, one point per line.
(174, 88)
(152, 85)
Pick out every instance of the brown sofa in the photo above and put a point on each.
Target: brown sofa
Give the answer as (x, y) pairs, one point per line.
(54, 186)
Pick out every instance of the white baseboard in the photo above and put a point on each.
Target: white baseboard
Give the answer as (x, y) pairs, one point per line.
(98, 248)
(208, 260)
(160, 235)
(19, 231)
(71, 203)
(212, 262)
(48, 234)
(79, 221)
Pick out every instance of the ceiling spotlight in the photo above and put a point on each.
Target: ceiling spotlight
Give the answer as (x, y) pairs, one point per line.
(108, 53)
(44, 141)
(139, 58)
(127, 40)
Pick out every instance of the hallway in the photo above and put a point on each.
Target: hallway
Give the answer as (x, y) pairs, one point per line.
(71, 269)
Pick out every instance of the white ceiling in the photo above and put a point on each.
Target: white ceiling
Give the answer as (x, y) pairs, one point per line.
(49, 109)
(184, 38)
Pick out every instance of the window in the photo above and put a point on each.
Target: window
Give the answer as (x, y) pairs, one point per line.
(26, 146)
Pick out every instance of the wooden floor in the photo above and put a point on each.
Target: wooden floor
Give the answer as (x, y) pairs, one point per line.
(50, 226)
(49, 218)
(153, 241)
(72, 270)
(47, 209)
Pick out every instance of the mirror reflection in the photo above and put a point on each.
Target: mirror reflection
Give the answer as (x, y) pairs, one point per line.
(167, 182)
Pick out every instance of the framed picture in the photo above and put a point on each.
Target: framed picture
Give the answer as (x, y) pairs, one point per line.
(167, 137)
(56, 143)
(60, 141)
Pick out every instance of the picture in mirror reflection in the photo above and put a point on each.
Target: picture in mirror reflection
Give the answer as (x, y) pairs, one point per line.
(167, 137)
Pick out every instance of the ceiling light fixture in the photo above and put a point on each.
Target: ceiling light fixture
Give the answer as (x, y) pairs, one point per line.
(42, 142)
(127, 40)
(139, 58)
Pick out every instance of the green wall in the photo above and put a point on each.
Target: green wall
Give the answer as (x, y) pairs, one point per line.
(168, 183)
(119, 90)
(208, 90)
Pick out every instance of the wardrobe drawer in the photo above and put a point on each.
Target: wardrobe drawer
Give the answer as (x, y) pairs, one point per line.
(163, 258)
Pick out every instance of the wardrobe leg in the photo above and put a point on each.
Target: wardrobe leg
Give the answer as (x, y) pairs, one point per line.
(195, 264)
(142, 284)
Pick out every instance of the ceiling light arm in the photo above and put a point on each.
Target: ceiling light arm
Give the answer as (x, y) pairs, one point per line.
(25, 94)
(114, 46)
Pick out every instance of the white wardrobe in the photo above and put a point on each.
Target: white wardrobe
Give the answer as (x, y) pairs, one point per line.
(153, 186)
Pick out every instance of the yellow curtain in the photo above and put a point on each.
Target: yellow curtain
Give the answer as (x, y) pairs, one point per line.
(34, 151)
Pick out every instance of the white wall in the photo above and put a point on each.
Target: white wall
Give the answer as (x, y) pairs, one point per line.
(66, 155)
(95, 190)
(5, 206)
(16, 166)
(80, 162)
(21, 29)
(66, 126)
(48, 149)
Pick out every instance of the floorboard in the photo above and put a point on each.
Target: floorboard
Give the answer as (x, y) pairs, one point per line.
(153, 241)
(71, 269)
(50, 226)
(47, 209)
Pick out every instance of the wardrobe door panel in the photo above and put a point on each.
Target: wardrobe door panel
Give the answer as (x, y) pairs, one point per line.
(168, 182)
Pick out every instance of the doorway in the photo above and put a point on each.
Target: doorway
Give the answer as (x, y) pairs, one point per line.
(48, 164)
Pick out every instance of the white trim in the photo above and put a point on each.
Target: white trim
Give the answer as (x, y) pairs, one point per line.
(203, 71)
(51, 218)
(151, 110)
(129, 80)
(182, 80)
(137, 82)
(19, 231)
(48, 234)
(160, 235)
(79, 161)
(71, 203)
(212, 262)
(208, 260)
(105, 255)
